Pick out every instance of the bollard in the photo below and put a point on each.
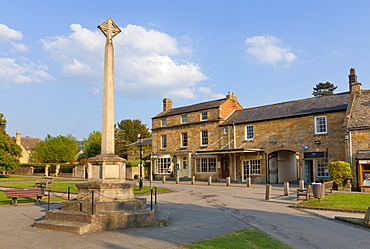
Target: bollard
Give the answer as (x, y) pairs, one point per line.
(367, 217)
(301, 184)
(192, 180)
(163, 179)
(177, 179)
(249, 182)
(286, 188)
(210, 180)
(228, 181)
(268, 192)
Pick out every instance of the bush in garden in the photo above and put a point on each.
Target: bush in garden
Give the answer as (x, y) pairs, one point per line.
(339, 172)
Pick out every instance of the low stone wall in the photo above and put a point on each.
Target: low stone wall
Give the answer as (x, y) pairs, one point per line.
(131, 172)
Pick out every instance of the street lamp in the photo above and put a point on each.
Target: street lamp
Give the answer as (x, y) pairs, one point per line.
(141, 141)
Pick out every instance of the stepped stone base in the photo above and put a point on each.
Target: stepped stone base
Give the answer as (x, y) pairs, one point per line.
(108, 216)
(110, 207)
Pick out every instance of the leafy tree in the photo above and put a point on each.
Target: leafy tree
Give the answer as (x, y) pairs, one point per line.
(127, 132)
(93, 144)
(58, 149)
(339, 172)
(322, 89)
(9, 150)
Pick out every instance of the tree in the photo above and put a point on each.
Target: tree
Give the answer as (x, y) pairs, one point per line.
(127, 132)
(9, 150)
(58, 149)
(322, 89)
(339, 172)
(93, 144)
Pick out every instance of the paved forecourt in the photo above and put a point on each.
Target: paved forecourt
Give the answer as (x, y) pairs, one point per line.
(197, 212)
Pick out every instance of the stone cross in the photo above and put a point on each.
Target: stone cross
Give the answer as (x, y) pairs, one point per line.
(110, 30)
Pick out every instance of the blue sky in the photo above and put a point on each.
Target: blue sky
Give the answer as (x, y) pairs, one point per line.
(51, 56)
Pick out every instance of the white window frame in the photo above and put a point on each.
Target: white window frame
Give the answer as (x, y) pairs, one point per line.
(226, 130)
(204, 138)
(163, 165)
(205, 165)
(184, 119)
(249, 135)
(163, 142)
(319, 126)
(255, 169)
(164, 122)
(204, 116)
(322, 169)
(184, 139)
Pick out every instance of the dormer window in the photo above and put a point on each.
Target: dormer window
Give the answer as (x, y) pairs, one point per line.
(184, 119)
(204, 116)
(164, 122)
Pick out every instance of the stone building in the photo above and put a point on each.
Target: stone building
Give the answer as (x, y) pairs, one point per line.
(272, 144)
(27, 144)
(178, 133)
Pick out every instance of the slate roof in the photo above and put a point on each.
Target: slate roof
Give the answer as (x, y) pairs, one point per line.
(360, 111)
(192, 108)
(317, 105)
(29, 143)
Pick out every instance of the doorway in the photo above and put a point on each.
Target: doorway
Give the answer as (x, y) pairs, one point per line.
(182, 168)
(225, 167)
(308, 171)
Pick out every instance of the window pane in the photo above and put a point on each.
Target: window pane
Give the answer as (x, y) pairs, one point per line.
(249, 130)
(164, 122)
(204, 138)
(184, 119)
(184, 139)
(322, 167)
(204, 115)
(164, 141)
(320, 124)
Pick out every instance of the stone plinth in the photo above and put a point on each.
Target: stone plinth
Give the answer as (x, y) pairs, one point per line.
(107, 169)
(105, 191)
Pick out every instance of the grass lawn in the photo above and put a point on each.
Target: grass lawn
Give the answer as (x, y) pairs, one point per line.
(247, 238)
(341, 200)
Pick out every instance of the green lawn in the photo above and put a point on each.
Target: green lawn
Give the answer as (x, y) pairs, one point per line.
(341, 200)
(242, 239)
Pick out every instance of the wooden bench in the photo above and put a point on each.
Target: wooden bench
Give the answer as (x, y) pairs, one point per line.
(44, 182)
(26, 192)
(306, 192)
(328, 186)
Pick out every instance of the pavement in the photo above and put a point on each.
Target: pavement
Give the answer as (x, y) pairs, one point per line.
(197, 212)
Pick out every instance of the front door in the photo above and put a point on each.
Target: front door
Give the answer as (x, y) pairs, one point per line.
(182, 167)
(273, 168)
(225, 168)
(308, 171)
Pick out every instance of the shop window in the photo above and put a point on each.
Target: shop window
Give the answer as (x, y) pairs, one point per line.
(205, 165)
(322, 168)
(251, 167)
(163, 166)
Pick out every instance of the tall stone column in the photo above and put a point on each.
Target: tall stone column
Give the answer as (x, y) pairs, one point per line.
(107, 172)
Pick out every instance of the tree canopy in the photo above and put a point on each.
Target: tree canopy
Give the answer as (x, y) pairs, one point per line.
(9, 150)
(323, 89)
(127, 132)
(92, 144)
(58, 149)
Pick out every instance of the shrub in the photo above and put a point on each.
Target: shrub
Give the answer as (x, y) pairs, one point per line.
(339, 172)
(135, 163)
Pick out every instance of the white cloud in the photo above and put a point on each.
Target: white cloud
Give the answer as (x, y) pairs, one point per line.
(208, 93)
(144, 61)
(268, 49)
(20, 47)
(21, 71)
(7, 34)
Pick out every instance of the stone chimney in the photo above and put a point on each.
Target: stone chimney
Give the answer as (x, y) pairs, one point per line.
(232, 96)
(167, 104)
(354, 86)
(18, 139)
